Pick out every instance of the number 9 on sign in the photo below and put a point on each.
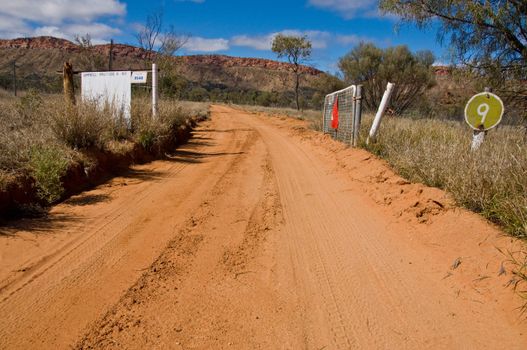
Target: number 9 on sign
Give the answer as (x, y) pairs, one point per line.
(484, 111)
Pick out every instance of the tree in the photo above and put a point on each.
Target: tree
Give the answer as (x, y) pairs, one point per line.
(297, 49)
(147, 36)
(374, 67)
(325, 84)
(155, 40)
(161, 45)
(89, 59)
(487, 36)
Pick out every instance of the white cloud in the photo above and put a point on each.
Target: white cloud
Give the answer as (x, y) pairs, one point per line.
(97, 31)
(50, 31)
(258, 42)
(59, 11)
(351, 39)
(60, 18)
(206, 45)
(319, 39)
(11, 27)
(349, 8)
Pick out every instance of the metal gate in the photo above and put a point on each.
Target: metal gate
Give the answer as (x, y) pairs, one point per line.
(348, 103)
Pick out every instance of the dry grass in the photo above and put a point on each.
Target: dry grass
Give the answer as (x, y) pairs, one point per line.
(491, 181)
(148, 131)
(195, 109)
(23, 126)
(39, 136)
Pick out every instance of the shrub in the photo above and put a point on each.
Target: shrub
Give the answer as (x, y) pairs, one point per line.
(47, 165)
(29, 105)
(374, 67)
(146, 139)
(22, 125)
(79, 126)
(147, 130)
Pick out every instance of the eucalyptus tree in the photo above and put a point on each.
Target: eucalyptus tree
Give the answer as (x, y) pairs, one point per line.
(374, 67)
(297, 49)
(488, 37)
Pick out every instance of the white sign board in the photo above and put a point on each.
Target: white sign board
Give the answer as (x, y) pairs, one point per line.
(113, 88)
(139, 77)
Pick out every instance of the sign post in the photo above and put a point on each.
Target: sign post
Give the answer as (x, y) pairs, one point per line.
(154, 90)
(482, 113)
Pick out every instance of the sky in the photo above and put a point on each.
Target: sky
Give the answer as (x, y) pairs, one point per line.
(232, 27)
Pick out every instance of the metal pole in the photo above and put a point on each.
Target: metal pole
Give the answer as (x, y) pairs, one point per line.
(14, 78)
(324, 114)
(380, 112)
(357, 116)
(154, 90)
(110, 58)
(479, 135)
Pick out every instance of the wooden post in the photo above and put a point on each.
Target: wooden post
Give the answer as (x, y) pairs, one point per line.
(357, 115)
(14, 78)
(69, 90)
(380, 113)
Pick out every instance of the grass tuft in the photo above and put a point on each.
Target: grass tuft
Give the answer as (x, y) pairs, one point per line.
(47, 165)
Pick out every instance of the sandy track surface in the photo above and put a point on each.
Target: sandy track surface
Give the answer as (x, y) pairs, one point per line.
(258, 234)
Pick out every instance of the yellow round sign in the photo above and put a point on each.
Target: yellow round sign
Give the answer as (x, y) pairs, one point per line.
(484, 111)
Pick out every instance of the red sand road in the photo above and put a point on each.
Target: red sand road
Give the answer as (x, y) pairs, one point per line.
(258, 234)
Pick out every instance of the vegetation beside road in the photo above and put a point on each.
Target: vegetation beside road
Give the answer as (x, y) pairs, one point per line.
(41, 138)
(435, 152)
(490, 181)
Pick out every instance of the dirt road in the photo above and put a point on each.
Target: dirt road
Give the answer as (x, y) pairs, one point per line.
(257, 234)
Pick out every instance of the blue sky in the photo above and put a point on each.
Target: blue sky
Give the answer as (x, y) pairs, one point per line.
(231, 27)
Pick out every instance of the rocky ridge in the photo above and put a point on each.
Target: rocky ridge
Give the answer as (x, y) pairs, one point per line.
(129, 51)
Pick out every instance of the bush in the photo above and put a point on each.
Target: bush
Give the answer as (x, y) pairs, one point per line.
(47, 165)
(147, 130)
(146, 139)
(374, 67)
(39, 136)
(23, 124)
(80, 126)
(29, 105)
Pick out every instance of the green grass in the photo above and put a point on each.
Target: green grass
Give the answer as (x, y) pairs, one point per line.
(47, 165)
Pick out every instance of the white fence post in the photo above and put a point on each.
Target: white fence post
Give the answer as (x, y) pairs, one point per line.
(154, 90)
(380, 112)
